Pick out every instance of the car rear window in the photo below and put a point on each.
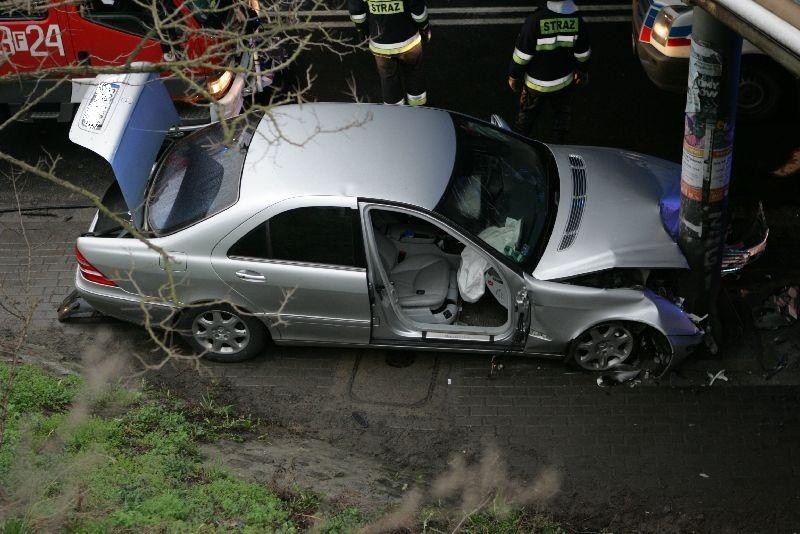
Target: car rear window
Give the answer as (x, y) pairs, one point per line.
(198, 177)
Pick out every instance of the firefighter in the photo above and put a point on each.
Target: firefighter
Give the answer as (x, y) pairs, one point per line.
(549, 60)
(397, 30)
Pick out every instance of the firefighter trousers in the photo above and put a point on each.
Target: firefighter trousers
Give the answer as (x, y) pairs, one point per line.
(399, 71)
(531, 104)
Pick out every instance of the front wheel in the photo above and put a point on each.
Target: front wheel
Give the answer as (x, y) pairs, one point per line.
(223, 334)
(603, 347)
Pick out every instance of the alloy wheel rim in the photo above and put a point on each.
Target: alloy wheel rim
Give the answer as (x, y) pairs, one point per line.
(604, 346)
(220, 332)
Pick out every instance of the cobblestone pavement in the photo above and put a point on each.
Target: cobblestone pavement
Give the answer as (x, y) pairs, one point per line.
(730, 450)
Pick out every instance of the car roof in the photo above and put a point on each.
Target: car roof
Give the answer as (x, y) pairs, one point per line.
(394, 153)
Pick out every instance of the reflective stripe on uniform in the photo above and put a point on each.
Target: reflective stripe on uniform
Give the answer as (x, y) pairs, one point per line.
(417, 100)
(521, 58)
(548, 86)
(583, 56)
(391, 49)
(551, 43)
(422, 17)
(358, 18)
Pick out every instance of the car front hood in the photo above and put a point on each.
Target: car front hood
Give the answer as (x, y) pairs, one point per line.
(608, 214)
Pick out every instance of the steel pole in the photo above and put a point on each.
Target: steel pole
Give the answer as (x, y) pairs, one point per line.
(707, 157)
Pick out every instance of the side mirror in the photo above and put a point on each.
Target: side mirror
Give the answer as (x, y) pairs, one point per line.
(498, 121)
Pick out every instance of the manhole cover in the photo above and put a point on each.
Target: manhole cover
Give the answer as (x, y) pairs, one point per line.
(399, 359)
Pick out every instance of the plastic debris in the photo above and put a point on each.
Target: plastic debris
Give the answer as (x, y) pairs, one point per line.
(449, 381)
(790, 166)
(705, 475)
(720, 375)
(619, 375)
(780, 309)
(361, 419)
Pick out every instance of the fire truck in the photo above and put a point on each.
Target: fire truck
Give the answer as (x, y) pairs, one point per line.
(51, 50)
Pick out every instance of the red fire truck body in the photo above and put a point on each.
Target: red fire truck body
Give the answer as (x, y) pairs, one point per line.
(43, 52)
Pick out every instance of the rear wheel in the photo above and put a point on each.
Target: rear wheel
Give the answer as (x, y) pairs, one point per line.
(223, 334)
(603, 347)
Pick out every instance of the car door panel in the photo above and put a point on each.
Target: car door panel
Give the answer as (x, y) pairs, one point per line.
(303, 302)
(299, 300)
(389, 323)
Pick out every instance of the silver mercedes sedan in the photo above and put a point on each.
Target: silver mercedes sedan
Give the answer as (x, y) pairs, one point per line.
(382, 226)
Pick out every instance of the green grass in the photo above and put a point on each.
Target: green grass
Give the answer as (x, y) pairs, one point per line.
(36, 391)
(135, 469)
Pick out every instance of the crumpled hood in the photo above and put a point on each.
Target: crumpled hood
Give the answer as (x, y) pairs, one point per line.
(617, 222)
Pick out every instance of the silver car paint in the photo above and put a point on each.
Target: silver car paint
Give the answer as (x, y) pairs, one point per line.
(284, 170)
(621, 224)
(561, 312)
(320, 302)
(366, 151)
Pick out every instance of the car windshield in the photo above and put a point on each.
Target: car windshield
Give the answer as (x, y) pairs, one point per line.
(197, 178)
(499, 191)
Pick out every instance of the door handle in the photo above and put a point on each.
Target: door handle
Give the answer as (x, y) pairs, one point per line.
(250, 276)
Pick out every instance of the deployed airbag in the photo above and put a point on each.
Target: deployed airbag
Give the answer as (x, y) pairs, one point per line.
(471, 281)
(471, 284)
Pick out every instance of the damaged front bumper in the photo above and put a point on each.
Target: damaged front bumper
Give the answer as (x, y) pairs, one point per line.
(749, 247)
(683, 347)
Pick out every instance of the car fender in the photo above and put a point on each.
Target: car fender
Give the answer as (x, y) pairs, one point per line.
(561, 312)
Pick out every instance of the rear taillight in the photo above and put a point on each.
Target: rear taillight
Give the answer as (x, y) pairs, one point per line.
(90, 272)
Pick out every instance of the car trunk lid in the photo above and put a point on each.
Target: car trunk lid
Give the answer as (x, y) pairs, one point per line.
(124, 118)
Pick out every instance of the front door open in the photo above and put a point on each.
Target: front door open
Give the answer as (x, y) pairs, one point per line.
(433, 285)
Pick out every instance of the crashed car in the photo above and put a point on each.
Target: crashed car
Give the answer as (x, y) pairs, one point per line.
(379, 226)
(44, 36)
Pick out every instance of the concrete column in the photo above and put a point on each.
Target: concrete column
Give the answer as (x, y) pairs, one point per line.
(707, 157)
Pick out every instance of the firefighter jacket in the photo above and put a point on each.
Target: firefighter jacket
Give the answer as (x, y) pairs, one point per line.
(550, 47)
(393, 24)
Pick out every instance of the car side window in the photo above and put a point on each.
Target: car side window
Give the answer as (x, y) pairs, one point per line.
(130, 17)
(320, 234)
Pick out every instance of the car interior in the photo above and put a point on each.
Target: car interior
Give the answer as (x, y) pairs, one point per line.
(422, 262)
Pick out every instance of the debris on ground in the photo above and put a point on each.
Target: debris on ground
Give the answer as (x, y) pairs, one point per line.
(361, 419)
(779, 310)
(790, 167)
(619, 375)
(720, 375)
(705, 475)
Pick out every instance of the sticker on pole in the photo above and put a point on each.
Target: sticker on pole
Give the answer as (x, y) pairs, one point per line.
(707, 136)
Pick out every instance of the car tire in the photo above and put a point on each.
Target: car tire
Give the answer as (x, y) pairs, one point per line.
(760, 90)
(222, 333)
(603, 347)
